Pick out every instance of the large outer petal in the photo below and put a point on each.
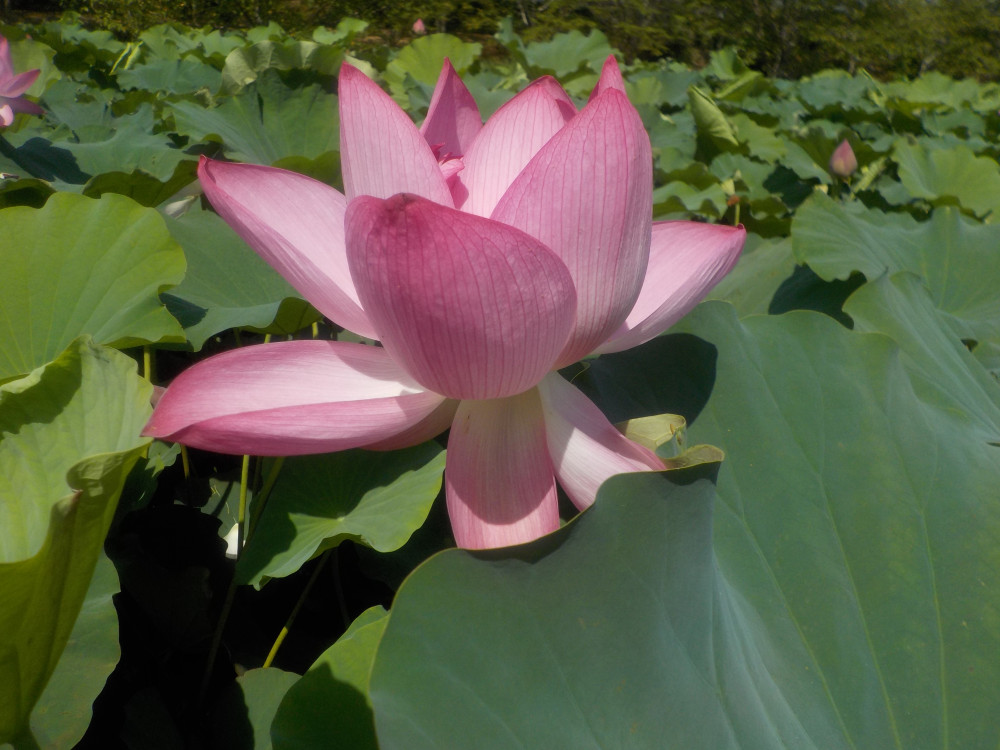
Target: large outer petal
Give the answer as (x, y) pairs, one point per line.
(17, 85)
(470, 307)
(686, 259)
(587, 194)
(291, 398)
(498, 480)
(453, 119)
(509, 139)
(381, 151)
(20, 104)
(585, 448)
(296, 224)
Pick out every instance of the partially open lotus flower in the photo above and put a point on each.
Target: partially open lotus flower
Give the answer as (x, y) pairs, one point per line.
(483, 258)
(843, 162)
(12, 88)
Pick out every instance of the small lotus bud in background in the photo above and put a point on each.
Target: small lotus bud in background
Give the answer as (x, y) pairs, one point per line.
(843, 163)
(418, 26)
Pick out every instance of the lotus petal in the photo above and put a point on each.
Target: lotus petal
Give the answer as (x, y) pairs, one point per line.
(381, 151)
(508, 141)
(296, 224)
(453, 119)
(585, 448)
(686, 259)
(291, 398)
(587, 195)
(499, 484)
(473, 309)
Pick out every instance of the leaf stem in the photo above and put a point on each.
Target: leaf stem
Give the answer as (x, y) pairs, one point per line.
(298, 606)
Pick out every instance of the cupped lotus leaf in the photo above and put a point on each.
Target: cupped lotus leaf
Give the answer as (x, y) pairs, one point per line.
(956, 256)
(713, 126)
(84, 266)
(839, 588)
(374, 498)
(69, 434)
(227, 284)
(329, 706)
(949, 176)
(266, 121)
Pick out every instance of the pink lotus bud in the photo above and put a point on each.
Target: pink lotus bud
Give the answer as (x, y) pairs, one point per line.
(843, 163)
(418, 26)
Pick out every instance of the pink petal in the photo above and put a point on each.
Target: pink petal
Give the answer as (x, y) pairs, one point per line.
(498, 479)
(21, 104)
(587, 194)
(6, 67)
(686, 259)
(296, 224)
(17, 85)
(509, 139)
(6, 115)
(470, 307)
(585, 448)
(453, 119)
(291, 398)
(611, 78)
(381, 151)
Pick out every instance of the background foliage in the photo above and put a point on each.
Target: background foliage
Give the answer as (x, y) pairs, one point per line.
(837, 586)
(786, 38)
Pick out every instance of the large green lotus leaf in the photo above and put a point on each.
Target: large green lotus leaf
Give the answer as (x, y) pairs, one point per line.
(329, 707)
(244, 65)
(266, 121)
(943, 370)
(422, 59)
(96, 139)
(242, 718)
(375, 498)
(65, 709)
(949, 176)
(227, 284)
(84, 266)
(566, 54)
(930, 89)
(842, 592)
(956, 256)
(69, 434)
(761, 269)
(176, 76)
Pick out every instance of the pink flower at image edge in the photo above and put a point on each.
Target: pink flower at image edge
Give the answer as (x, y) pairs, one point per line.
(483, 257)
(12, 88)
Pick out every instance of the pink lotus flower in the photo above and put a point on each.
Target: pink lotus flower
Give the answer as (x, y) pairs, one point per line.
(418, 26)
(843, 162)
(12, 88)
(483, 257)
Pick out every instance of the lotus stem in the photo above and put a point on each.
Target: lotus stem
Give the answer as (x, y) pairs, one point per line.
(295, 610)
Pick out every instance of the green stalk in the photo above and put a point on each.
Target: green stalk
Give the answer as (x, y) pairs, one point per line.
(295, 610)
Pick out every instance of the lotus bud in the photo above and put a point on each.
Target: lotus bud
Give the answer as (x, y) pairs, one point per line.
(843, 163)
(418, 26)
